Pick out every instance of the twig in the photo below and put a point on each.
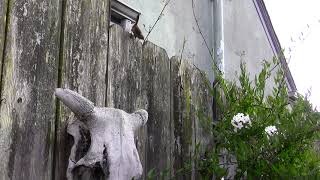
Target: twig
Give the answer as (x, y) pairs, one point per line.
(272, 69)
(202, 74)
(296, 140)
(155, 23)
(278, 63)
(183, 46)
(264, 107)
(145, 29)
(283, 78)
(202, 36)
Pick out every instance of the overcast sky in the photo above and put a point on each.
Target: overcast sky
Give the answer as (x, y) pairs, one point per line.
(297, 24)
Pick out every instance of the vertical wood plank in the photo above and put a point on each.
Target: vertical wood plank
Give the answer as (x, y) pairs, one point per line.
(156, 78)
(3, 20)
(202, 105)
(126, 89)
(139, 77)
(191, 115)
(84, 62)
(183, 116)
(125, 65)
(28, 83)
(202, 119)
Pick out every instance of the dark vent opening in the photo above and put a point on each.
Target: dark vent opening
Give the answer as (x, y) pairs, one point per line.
(121, 13)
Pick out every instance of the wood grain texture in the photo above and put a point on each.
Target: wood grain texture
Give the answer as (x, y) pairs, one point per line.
(183, 115)
(192, 111)
(29, 79)
(156, 76)
(84, 63)
(125, 72)
(202, 105)
(3, 20)
(173, 94)
(126, 88)
(139, 77)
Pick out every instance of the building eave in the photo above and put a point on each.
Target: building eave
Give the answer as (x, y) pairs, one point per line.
(274, 41)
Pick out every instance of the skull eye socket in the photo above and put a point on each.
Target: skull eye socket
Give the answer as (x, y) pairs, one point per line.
(84, 143)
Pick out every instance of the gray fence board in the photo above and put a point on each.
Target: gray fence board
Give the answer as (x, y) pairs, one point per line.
(125, 66)
(189, 98)
(84, 57)
(29, 79)
(3, 18)
(126, 88)
(139, 77)
(156, 75)
(202, 106)
(183, 116)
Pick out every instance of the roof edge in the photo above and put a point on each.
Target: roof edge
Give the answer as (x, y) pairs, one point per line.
(274, 41)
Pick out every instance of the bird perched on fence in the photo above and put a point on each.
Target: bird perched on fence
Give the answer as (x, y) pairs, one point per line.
(136, 30)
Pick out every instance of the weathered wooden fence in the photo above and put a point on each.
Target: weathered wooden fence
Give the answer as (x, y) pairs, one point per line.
(45, 44)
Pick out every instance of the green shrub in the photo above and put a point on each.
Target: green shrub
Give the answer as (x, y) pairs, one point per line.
(270, 139)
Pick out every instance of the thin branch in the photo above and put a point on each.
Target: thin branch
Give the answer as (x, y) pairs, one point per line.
(206, 81)
(145, 29)
(202, 74)
(278, 63)
(202, 36)
(292, 142)
(180, 61)
(272, 69)
(183, 46)
(264, 107)
(281, 84)
(199, 29)
(155, 23)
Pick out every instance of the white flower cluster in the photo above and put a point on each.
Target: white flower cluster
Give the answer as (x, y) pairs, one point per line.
(240, 120)
(271, 130)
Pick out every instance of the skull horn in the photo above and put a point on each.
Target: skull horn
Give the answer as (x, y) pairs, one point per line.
(78, 104)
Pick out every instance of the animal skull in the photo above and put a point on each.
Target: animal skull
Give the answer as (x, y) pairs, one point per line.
(103, 138)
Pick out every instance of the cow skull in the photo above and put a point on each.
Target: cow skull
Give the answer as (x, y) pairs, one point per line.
(103, 138)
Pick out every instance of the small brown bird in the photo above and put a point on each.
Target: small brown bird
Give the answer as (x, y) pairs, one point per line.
(136, 30)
